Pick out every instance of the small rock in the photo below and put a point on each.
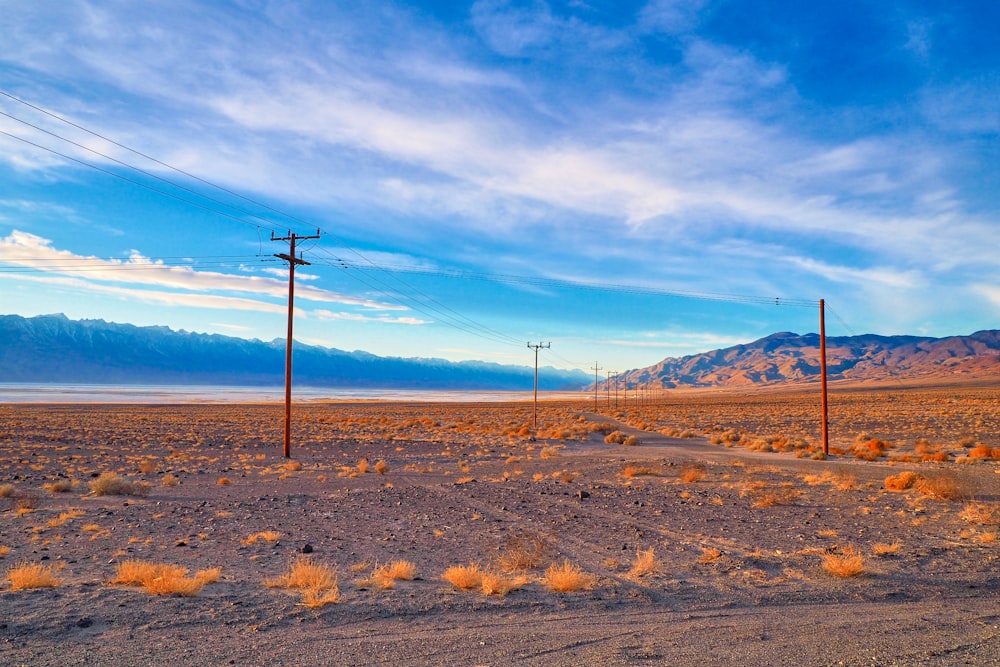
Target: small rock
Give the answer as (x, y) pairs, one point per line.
(307, 549)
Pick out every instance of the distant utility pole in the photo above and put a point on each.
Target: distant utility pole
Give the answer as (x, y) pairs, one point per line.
(607, 386)
(616, 390)
(534, 412)
(596, 381)
(292, 262)
(822, 363)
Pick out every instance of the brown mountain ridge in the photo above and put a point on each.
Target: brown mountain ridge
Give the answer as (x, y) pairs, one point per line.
(785, 357)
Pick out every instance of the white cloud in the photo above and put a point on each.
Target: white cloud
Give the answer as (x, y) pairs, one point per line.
(31, 251)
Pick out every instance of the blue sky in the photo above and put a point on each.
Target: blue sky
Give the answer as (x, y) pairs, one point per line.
(490, 173)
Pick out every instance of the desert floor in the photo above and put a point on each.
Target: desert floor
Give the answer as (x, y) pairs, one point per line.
(702, 549)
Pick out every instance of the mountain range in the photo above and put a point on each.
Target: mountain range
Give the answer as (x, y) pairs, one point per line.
(56, 349)
(784, 358)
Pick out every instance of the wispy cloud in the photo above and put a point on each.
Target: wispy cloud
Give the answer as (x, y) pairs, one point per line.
(31, 251)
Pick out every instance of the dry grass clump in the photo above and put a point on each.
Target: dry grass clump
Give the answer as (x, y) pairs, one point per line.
(763, 496)
(224, 481)
(631, 441)
(900, 482)
(4, 550)
(550, 452)
(381, 467)
(692, 472)
(386, 576)
(317, 582)
(498, 583)
(523, 552)
(981, 513)
(981, 451)
(403, 570)
(7, 490)
(293, 466)
(363, 466)
(645, 563)
(943, 486)
(59, 486)
(110, 484)
(566, 577)
(615, 438)
(170, 480)
(636, 470)
(848, 563)
(32, 575)
(464, 577)
(883, 549)
(164, 578)
(710, 555)
(471, 576)
(266, 535)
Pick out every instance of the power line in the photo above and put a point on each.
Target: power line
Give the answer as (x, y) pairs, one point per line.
(130, 180)
(148, 157)
(141, 171)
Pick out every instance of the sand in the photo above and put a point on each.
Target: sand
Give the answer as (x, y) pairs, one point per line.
(739, 547)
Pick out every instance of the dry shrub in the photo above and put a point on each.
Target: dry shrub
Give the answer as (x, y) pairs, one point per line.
(397, 570)
(550, 452)
(981, 451)
(635, 470)
(170, 480)
(317, 582)
(32, 575)
(846, 564)
(363, 466)
(163, 578)
(266, 535)
(645, 563)
(900, 482)
(224, 481)
(59, 486)
(883, 549)
(497, 583)
(943, 486)
(146, 467)
(464, 577)
(615, 438)
(110, 484)
(4, 550)
(631, 441)
(981, 513)
(6, 490)
(784, 495)
(293, 466)
(381, 467)
(566, 577)
(523, 552)
(710, 555)
(692, 472)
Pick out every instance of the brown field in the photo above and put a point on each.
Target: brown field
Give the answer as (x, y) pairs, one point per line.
(434, 534)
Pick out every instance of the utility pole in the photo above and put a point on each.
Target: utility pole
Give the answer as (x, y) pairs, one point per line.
(595, 369)
(616, 390)
(822, 369)
(292, 262)
(534, 411)
(607, 387)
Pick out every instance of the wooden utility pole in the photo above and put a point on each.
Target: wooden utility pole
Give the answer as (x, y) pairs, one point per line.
(534, 411)
(822, 370)
(293, 261)
(595, 369)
